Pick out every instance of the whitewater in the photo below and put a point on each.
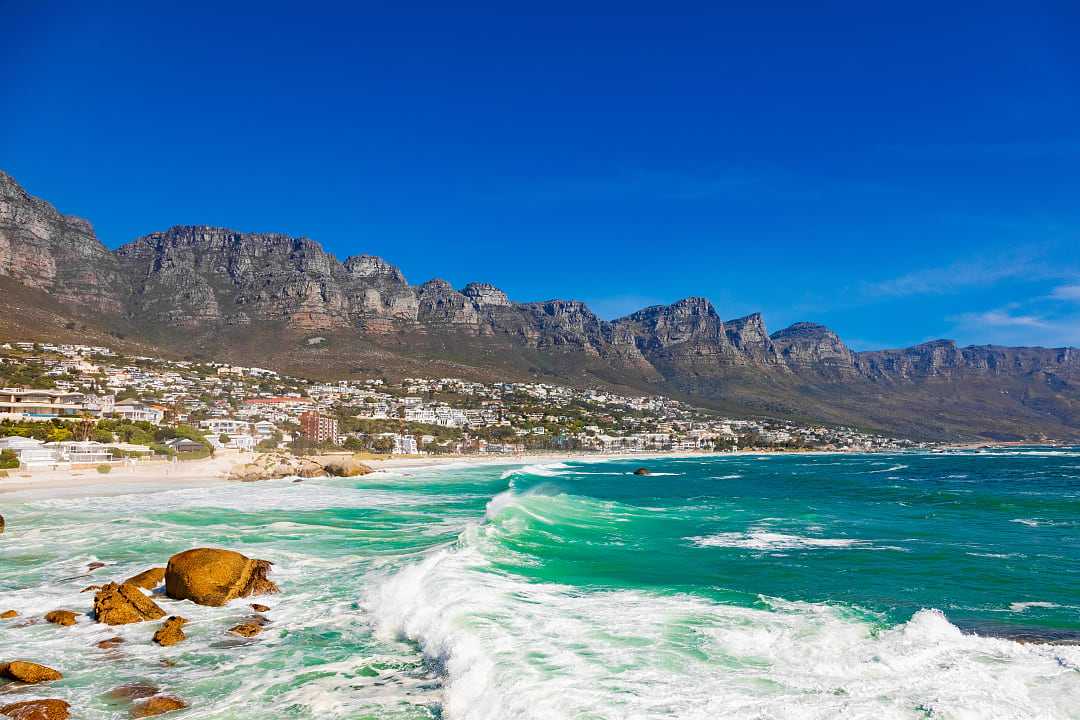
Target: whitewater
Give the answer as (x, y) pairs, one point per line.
(810, 586)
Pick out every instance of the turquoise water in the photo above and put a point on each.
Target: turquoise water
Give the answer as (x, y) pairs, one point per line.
(811, 586)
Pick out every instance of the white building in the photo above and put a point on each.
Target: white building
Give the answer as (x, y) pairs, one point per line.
(136, 411)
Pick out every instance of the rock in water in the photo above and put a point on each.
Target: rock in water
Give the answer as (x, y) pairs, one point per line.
(28, 672)
(1, 523)
(8, 614)
(209, 576)
(61, 617)
(109, 643)
(122, 604)
(246, 630)
(132, 691)
(257, 607)
(148, 579)
(37, 710)
(171, 631)
(642, 471)
(157, 705)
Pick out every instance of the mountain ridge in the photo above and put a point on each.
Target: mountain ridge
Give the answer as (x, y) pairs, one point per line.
(198, 287)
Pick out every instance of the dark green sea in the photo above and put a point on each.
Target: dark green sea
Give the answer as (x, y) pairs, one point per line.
(781, 586)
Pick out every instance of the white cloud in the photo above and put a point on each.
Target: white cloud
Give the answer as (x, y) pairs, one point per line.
(1066, 292)
(999, 318)
(951, 278)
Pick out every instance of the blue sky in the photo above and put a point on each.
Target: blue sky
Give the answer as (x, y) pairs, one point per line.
(898, 173)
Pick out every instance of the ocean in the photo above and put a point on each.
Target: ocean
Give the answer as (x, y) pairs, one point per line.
(912, 585)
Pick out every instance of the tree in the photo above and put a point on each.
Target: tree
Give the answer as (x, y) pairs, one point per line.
(382, 445)
(223, 439)
(8, 460)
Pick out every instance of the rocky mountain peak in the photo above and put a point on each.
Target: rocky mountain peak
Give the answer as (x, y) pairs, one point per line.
(371, 266)
(484, 294)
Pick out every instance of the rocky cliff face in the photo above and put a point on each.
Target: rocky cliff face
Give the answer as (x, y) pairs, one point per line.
(811, 347)
(43, 249)
(217, 282)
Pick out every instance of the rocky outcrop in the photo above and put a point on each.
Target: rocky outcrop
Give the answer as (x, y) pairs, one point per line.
(116, 604)
(8, 615)
(344, 466)
(210, 576)
(28, 672)
(246, 629)
(37, 710)
(171, 631)
(61, 617)
(272, 466)
(147, 579)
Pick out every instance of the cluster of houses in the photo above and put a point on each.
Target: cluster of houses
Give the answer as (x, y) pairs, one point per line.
(244, 407)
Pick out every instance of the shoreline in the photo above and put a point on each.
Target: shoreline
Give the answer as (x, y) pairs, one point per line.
(162, 476)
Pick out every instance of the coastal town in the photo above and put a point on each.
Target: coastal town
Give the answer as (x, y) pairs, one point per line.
(81, 405)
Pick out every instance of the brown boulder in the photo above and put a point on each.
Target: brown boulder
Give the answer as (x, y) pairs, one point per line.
(94, 566)
(61, 617)
(28, 672)
(157, 705)
(171, 631)
(148, 579)
(122, 604)
(208, 576)
(257, 607)
(2, 523)
(246, 630)
(37, 710)
(8, 614)
(88, 588)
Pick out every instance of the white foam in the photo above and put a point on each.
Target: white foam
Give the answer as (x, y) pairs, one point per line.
(764, 540)
(515, 649)
(1022, 606)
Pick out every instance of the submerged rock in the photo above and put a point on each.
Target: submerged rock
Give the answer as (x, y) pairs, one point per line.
(61, 617)
(28, 672)
(643, 471)
(257, 607)
(247, 630)
(2, 523)
(122, 604)
(133, 691)
(171, 631)
(94, 566)
(210, 576)
(157, 705)
(37, 710)
(148, 579)
(109, 643)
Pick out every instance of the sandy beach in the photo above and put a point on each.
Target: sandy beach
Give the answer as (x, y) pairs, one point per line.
(155, 476)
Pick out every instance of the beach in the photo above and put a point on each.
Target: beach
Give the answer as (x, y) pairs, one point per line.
(158, 476)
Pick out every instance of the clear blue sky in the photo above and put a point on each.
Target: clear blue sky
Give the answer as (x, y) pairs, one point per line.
(899, 173)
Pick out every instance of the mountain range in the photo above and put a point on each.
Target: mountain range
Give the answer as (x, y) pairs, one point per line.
(283, 302)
